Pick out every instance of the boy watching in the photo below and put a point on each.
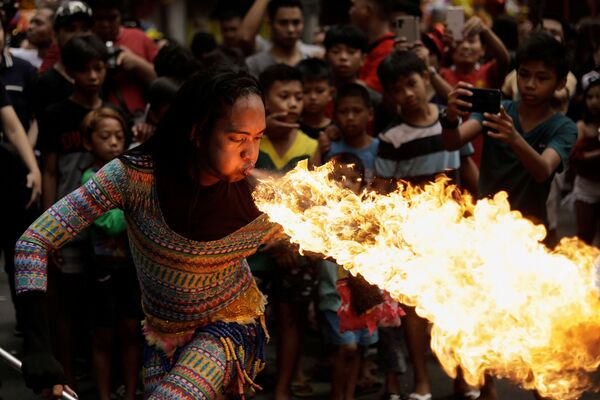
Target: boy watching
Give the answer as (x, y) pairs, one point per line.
(64, 159)
(294, 277)
(411, 149)
(317, 96)
(352, 114)
(372, 17)
(528, 140)
(345, 50)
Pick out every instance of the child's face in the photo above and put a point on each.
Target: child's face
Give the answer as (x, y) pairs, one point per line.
(537, 82)
(285, 97)
(348, 177)
(108, 140)
(409, 92)
(316, 96)
(352, 116)
(468, 52)
(345, 61)
(232, 147)
(592, 100)
(90, 78)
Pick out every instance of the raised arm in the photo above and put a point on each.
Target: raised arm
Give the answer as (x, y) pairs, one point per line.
(494, 45)
(251, 25)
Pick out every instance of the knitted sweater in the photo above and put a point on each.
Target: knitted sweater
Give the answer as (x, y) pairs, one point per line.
(185, 284)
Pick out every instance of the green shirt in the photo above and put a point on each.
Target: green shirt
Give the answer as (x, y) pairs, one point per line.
(501, 169)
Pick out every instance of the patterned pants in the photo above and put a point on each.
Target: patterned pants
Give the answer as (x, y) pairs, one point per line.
(196, 371)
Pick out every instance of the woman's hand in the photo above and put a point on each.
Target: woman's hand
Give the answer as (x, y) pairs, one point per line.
(502, 126)
(456, 106)
(34, 182)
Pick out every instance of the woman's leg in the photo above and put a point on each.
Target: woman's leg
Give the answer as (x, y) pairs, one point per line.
(199, 372)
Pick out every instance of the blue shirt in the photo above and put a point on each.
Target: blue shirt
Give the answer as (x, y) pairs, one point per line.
(501, 169)
(366, 154)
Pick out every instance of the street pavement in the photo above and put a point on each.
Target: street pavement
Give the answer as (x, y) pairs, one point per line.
(12, 387)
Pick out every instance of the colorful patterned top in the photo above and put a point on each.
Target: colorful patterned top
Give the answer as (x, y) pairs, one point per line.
(185, 284)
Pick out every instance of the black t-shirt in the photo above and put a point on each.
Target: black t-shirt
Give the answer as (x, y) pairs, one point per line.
(59, 127)
(51, 88)
(19, 78)
(312, 132)
(205, 213)
(4, 100)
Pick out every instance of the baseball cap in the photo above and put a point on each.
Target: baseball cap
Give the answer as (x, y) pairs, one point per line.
(590, 78)
(70, 10)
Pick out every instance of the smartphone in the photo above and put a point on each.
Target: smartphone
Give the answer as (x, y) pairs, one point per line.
(409, 27)
(484, 100)
(455, 21)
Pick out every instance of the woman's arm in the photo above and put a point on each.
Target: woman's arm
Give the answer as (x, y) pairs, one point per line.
(55, 227)
(64, 220)
(16, 135)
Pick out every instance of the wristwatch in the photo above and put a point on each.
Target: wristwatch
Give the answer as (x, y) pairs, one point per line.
(446, 124)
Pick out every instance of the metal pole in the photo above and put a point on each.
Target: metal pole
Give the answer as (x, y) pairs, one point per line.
(16, 364)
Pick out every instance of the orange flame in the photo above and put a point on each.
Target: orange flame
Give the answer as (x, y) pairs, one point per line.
(500, 302)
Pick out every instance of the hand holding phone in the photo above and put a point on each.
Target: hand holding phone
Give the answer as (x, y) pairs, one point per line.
(483, 100)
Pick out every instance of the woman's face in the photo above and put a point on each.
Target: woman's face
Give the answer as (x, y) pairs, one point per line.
(231, 150)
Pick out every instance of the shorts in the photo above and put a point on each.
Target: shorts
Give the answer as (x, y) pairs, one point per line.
(330, 325)
(116, 296)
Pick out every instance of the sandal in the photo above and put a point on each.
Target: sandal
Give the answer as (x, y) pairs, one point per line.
(472, 394)
(416, 396)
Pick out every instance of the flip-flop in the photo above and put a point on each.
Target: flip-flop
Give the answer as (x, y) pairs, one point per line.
(472, 394)
(416, 396)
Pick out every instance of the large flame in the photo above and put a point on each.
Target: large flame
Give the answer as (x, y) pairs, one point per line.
(499, 300)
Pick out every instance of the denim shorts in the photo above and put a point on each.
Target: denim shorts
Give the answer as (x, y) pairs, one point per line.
(331, 329)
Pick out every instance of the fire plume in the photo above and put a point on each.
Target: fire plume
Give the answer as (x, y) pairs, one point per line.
(500, 302)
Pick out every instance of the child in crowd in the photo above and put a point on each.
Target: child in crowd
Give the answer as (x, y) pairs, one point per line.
(294, 277)
(116, 291)
(466, 62)
(352, 114)
(349, 346)
(528, 141)
(585, 160)
(346, 47)
(317, 96)
(411, 150)
(372, 17)
(64, 160)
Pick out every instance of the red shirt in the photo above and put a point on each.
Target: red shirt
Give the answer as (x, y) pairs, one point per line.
(378, 50)
(52, 57)
(130, 88)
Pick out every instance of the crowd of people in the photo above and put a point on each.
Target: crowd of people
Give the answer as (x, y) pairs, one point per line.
(127, 167)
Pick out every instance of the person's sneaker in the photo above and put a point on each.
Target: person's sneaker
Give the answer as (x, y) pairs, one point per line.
(391, 396)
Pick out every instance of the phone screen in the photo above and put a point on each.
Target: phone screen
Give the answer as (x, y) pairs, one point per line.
(455, 21)
(484, 100)
(408, 27)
